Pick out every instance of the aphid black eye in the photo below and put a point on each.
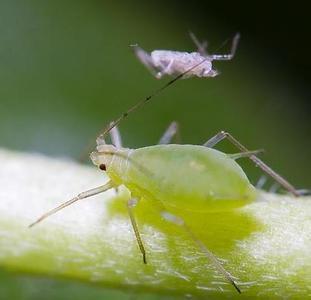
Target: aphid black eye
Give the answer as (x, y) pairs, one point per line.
(102, 167)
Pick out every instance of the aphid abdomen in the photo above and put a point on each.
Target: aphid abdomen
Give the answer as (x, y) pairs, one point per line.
(189, 177)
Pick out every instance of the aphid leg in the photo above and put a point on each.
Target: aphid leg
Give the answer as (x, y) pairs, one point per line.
(180, 222)
(229, 56)
(278, 178)
(80, 196)
(201, 46)
(274, 187)
(171, 132)
(130, 205)
(146, 59)
(261, 182)
(166, 70)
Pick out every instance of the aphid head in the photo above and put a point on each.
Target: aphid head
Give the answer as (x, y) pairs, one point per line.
(104, 155)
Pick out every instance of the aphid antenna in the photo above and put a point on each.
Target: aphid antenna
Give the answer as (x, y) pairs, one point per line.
(146, 100)
(138, 105)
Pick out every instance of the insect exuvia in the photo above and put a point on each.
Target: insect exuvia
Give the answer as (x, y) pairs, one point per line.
(167, 62)
(157, 174)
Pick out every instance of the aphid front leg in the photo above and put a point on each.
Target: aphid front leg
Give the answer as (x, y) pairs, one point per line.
(180, 222)
(171, 132)
(130, 206)
(80, 196)
(278, 178)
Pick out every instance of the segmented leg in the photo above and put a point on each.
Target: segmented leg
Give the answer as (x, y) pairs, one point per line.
(130, 205)
(274, 187)
(278, 178)
(201, 46)
(229, 56)
(80, 196)
(180, 222)
(171, 132)
(146, 59)
(261, 182)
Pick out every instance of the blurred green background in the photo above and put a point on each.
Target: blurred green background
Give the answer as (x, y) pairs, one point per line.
(66, 70)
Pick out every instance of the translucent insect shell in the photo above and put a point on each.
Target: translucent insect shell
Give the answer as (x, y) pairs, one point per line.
(188, 177)
(193, 64)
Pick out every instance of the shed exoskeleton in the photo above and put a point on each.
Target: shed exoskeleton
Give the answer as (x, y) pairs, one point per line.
(174, 63)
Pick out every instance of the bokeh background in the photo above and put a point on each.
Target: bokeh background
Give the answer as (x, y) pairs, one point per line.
(66, 70)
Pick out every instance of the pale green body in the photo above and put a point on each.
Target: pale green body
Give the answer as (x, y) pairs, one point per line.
(187, 177)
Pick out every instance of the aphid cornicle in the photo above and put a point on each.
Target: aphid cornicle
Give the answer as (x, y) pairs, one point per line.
(189, 177)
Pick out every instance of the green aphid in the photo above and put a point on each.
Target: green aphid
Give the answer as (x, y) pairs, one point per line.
(187, 177)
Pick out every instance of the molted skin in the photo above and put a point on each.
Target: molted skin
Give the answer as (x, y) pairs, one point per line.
(187, 177)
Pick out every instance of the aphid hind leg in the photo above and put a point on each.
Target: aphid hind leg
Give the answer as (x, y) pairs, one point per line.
(258, 162)
(130, 206)
(80, 196)
(167, 216)
(171, 132)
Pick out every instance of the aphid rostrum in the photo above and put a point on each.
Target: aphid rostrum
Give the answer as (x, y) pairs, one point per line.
(160, 174)
(168, 62)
